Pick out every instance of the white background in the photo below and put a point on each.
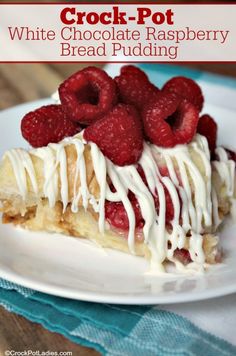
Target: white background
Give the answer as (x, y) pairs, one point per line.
(197, 17)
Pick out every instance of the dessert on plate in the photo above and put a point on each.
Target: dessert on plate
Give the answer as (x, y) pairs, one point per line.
(126, 164)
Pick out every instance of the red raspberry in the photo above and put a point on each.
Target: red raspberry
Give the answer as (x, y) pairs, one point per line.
(48, 124)
(208, 128)
(169, 205)
(169, 121)
(133, 70)
(183, 256)
(187, 89)
(116, 215)
(134, 87)
(231, 154)
(164, 170)
(118, 134)
(142, 174)
(88, 95)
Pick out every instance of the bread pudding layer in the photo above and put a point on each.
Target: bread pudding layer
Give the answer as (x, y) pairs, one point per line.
(63, 188)
(84, 224)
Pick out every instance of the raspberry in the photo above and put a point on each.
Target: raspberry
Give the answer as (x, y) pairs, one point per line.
(183, 256)
(133, 70)
(88, 95)
(134, 87)
(169, 205)
(48, 124)
(231, 154)
(169, 121)
(187, 89)
(116, 215)
(142, 174)
(208, 128)
(164, 171)
(118, 135)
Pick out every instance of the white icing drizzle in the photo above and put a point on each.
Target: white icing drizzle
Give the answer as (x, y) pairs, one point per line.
(194, 200)
(62, 161)
(122, 193)
(216, 217)
(100, 169)
(50, 173)
(195, 248)
(80, 172)
(226, 170)
(22, 164)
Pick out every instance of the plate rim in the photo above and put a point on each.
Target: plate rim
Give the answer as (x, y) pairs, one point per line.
(118, 299)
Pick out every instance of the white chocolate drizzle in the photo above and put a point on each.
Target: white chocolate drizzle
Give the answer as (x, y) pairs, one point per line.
(22, 164)
(188, 183)
(226, 170)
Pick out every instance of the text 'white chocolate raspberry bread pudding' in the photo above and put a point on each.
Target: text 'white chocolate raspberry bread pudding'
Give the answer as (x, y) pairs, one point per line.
(126, 164)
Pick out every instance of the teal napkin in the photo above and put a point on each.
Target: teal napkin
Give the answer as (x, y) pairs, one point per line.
(113, 329)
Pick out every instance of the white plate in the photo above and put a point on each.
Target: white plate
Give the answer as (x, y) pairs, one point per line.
(79, 269)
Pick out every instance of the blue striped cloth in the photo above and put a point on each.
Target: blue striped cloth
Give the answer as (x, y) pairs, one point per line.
(113, 329)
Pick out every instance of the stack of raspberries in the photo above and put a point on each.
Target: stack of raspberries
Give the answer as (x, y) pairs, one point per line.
(119, 114)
